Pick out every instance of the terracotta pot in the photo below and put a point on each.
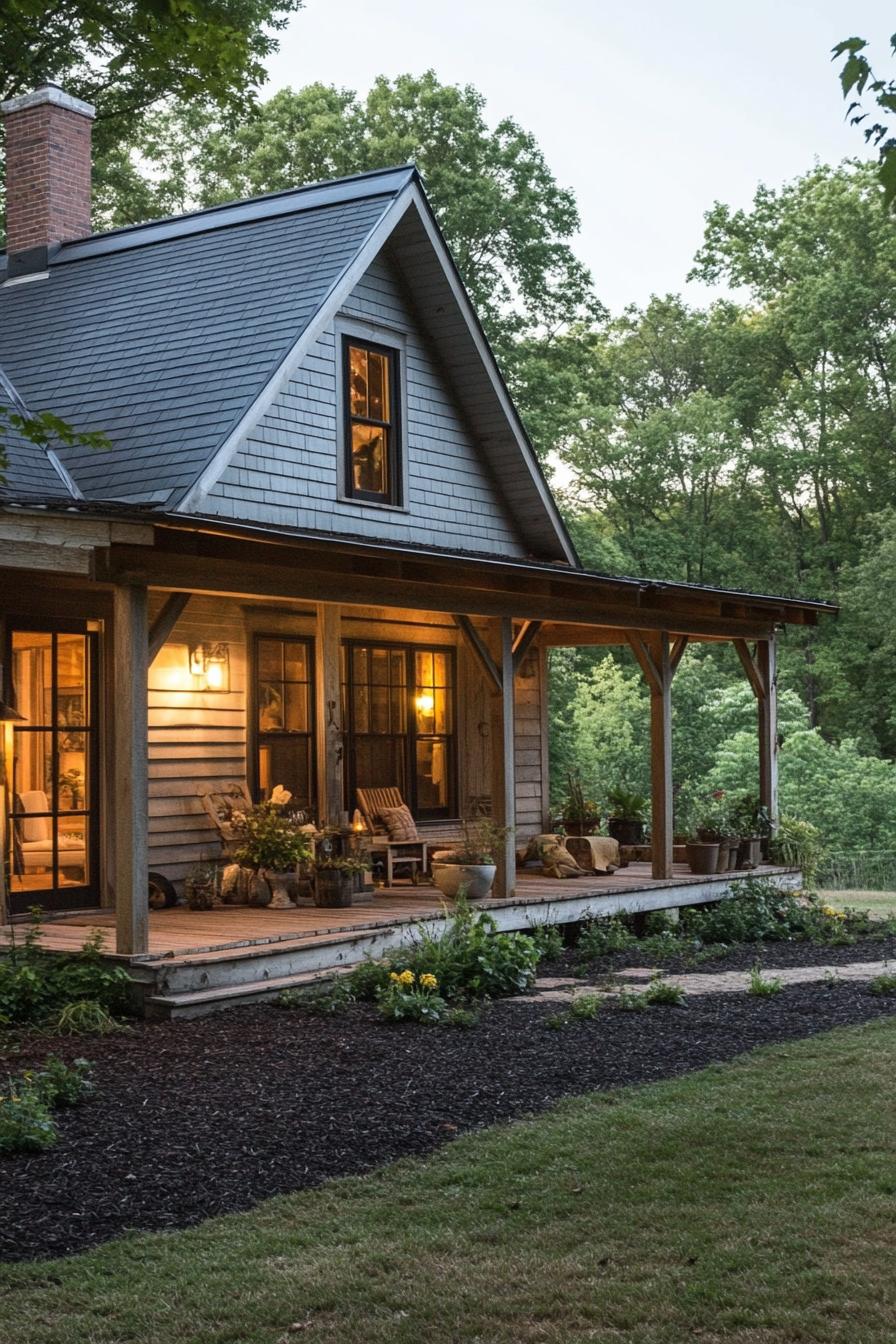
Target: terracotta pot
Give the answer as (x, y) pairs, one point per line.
(703, 855)
(476, 879)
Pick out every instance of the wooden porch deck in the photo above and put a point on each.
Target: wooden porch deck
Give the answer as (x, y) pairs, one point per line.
(188, 937)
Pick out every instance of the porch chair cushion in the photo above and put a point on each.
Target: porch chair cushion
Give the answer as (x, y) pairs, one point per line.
(399, 823)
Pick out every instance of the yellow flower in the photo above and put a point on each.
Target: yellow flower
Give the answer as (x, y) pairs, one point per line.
(832, 913)
(396, 979)
(406, 977)
(429, 981)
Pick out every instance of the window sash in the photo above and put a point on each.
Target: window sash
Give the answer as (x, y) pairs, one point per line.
(389, 427)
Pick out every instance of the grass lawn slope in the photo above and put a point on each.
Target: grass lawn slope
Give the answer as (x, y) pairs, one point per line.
(751, 1202)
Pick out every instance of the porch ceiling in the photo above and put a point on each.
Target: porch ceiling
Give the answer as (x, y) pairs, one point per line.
(578, 607)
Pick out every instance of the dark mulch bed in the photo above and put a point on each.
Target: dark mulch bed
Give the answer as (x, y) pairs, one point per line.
(197, 1119)
(741, 957)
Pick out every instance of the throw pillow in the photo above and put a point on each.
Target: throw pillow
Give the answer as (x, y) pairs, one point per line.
(399, 823)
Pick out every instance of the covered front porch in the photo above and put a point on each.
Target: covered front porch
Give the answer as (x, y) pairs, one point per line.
(198, 961)
(216, 653)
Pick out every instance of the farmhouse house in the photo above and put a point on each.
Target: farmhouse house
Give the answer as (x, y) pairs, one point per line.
(318, 551)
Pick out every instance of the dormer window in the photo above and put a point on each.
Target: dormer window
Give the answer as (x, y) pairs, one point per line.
(371, 422)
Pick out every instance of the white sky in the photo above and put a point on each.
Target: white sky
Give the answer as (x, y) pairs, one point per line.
(649, 110)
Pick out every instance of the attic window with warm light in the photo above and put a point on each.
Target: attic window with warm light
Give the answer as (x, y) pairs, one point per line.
(371, 422)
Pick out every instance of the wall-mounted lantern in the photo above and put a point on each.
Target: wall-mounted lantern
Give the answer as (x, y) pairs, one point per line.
(211, 663)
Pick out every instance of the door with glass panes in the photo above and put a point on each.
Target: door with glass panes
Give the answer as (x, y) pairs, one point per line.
(54, 794)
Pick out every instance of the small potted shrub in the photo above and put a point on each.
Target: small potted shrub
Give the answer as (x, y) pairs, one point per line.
(628, 814)
(579, 815)
(470, 866)
(200, 887)
(335, 877)
(274, 847)
(707, 848)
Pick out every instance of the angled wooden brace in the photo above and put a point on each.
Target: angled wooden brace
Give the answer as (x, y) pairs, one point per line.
(167, 618)
(477, 644)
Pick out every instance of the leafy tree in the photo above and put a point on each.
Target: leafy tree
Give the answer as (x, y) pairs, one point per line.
(507, 221)
(857, 76)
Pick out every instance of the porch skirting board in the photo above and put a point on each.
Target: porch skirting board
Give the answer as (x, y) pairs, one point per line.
(201, 961)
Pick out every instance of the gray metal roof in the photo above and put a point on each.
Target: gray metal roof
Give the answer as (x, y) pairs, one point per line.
(160, 335)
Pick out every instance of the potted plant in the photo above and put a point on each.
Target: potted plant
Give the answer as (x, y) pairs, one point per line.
(628, 814)
(274, 847)
(335, 878)
(707, 848)
(753, 824)
(471, 865)
(579, 815)
(200, 887)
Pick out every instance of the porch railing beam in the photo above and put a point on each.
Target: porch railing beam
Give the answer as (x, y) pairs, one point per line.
(480, 649)
(130, 768)
(167, 618)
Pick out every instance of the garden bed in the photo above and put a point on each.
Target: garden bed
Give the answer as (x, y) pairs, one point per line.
(194, 1120)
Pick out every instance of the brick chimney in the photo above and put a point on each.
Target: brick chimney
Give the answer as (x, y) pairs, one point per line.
(47, 175)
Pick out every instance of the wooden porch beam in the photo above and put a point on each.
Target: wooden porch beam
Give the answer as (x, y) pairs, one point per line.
(523, 642)
(654, 656)
(480, 649)
(556, 599)
(652, 674)
(130, 768)
(165, 621)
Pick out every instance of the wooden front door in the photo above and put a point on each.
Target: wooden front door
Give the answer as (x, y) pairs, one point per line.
(55, 795)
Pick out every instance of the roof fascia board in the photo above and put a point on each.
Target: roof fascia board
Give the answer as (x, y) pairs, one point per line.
(335, 298)
(486, 354)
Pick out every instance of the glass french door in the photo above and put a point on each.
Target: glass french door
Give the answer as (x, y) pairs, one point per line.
(54, 796)
(283, 693)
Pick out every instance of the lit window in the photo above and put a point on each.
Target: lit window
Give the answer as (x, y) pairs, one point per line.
(371, 422)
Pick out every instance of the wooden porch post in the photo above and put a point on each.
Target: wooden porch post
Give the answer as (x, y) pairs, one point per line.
(130, 793)
(330, 740)
(761, 668)
(655, 657)
(503, 760)
(767, 662)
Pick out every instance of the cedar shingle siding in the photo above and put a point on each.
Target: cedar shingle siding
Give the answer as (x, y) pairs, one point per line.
(286, 472)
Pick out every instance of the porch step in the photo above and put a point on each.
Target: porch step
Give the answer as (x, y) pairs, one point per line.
(201, 1002)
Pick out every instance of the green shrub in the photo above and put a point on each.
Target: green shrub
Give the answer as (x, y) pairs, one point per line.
(461, 1017)
(631, 1002)
(60, 1084)
(548, 940)
(410, 997)
(661, 946)
(470, 959)
(603, 936)
(36, 986)
(327, 999)
(661, 991)
(585, 1007)
(798, 844)
(883, 984)
(761, 987)
(26, 1124)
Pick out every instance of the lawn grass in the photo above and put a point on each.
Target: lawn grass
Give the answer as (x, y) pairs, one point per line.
(882, 903)
(750, 1203)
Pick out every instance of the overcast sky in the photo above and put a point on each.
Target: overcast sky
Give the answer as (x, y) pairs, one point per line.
(648, 109)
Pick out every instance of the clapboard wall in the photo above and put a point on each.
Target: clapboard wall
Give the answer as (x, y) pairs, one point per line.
(198, 739)
(286, 471)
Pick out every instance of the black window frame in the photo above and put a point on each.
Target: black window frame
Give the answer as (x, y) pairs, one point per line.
(410, 735)
(393, 427)
(256, 735)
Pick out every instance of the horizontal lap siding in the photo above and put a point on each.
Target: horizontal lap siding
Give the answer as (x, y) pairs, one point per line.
(286, 472)
(197, 740)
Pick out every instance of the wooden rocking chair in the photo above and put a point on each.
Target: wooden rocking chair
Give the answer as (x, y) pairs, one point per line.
(409, 853)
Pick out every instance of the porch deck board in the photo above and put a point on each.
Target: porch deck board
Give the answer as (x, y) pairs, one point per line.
(180, 933)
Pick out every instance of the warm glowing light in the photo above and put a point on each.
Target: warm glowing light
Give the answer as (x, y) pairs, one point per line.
(425, 703)
(214, 676)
